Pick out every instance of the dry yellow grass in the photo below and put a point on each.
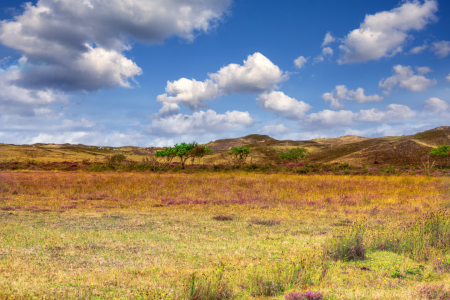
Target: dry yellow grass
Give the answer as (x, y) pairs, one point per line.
(131, 235)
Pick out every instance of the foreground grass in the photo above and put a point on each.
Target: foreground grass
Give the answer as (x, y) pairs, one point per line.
(131, 235)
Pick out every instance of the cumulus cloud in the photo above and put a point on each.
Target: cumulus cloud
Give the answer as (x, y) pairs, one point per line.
(418, 49)
(199, 123)
(423, 70)
(329, 118)
(328, 39)
(113, 138)
(327, 51)
(190, 92)
(74, 45)
(256, 75)
(300, 61)
(168, 109)
(404, 77)
(17, 100)
(318, 59)
(392, 113)
(274, 130)
(283, 105)
(436, 105)
(342, 93)
(390, 130)
(384, 34)
(441, 49)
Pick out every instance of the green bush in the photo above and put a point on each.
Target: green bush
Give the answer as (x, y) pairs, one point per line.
(239, 155)
(295, 154)
(349, 245)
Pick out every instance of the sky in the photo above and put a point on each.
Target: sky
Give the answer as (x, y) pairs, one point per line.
(160, 72)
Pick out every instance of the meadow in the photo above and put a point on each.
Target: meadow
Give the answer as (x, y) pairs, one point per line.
(234, 235)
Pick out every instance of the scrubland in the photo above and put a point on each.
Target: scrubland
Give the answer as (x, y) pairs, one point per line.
(235, 235)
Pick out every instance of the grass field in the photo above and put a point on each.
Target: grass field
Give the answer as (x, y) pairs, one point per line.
(82, 235)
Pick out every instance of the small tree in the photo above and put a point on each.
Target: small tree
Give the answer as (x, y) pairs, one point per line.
(184, 151)
(166, 155)
(442, 153)
(115, 159)
(296, 154)
(200, 151)
(239, 155)
(427, 160)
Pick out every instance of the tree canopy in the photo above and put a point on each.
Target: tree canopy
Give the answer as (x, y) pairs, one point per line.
(296, 154)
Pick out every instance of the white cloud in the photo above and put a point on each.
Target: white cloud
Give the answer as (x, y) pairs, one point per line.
(328, 39)
(5, 60)
(300, 61)
(441, 49)
(190, 92)
(168, 109)
(418, 49)
(274, 130)
(318, 59)
(79, 46)
(70, 125)
(447, 78)
(114, 138)
(329, 118)
(404, 77)
(327, 51)
(256, 75)
(17, 100)
(342, 93)
(199, 123)
(70, 45)
(423, 70)
(389, 130)
(384, 33)
(392, 113)
(436, 105)
(283, 105)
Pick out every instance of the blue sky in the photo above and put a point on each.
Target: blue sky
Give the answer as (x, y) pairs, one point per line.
(159, 72)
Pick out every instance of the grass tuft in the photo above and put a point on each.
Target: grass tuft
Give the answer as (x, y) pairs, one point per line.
(349, 245)
(265, 222)
(223, 218)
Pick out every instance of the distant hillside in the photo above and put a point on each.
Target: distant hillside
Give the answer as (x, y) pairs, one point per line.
(354, 150)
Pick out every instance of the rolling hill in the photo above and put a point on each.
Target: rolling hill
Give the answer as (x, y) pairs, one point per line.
(354, 150)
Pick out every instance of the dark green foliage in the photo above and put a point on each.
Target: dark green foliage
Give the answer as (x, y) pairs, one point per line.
(295, 154)
(183, 151)
(442, 154)
(239, 155)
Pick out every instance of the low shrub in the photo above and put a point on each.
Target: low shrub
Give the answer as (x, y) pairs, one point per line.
(433, 292)
(349, 246)
(212, 288)
(265, 287)
(441, 265)
(304, 296)
(223, 218)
